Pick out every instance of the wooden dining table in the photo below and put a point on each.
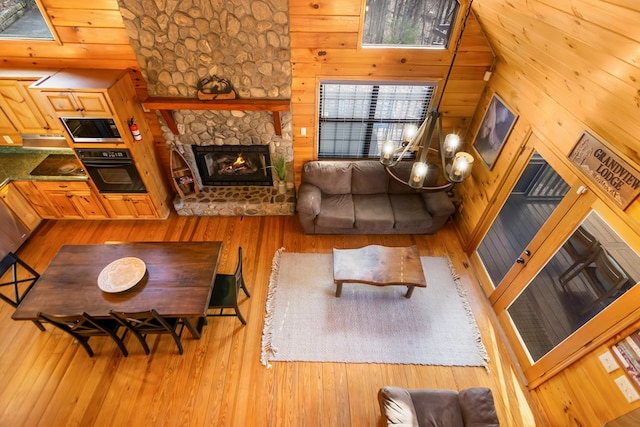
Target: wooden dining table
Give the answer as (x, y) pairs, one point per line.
(177, 283)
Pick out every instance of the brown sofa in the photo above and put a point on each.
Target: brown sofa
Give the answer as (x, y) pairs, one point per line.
(359, 197)
(432, 407)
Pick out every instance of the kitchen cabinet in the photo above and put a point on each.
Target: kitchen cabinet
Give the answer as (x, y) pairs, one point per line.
(125, 206)
(111, 94)
(63, 199)
(9, 135)
(77, 104)
(20, 206)
(23, 110)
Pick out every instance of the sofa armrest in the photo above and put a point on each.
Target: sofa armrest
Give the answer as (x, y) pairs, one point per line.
(438, 204)
(309, 198)
(478, 408)
(397, 408)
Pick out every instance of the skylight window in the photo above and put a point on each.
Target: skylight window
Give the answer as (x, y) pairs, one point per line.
(23, 20)
(409, 23)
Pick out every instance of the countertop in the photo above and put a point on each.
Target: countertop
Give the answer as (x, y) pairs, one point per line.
(16, 163)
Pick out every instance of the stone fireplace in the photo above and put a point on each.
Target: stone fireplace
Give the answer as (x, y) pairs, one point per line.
(178, 43)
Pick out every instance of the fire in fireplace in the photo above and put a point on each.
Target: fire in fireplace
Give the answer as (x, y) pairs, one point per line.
(226, 165)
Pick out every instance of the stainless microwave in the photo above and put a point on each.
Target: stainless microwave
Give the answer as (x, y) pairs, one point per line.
(84, 129)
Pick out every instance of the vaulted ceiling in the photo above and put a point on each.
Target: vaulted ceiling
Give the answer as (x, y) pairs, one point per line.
(570, 64)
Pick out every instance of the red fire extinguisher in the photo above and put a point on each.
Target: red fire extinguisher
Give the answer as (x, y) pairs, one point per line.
(133, 127)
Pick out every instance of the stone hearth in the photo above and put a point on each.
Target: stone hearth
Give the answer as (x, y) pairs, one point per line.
(237, 201)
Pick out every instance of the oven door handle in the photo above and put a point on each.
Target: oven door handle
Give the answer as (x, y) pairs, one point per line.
(110, 164)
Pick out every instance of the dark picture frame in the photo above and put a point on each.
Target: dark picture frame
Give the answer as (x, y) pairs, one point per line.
(494, 130)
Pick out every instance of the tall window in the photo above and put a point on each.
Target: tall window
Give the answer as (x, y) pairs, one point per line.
(425, 23)
(22, 20)
(356, 118)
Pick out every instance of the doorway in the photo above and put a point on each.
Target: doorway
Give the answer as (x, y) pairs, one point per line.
(556, 257)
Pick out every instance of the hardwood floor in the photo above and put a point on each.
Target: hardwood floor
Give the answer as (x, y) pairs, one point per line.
(47, 379)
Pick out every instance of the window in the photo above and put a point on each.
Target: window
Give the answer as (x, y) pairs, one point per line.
(356, 118)
(22, 20)
(425, 23)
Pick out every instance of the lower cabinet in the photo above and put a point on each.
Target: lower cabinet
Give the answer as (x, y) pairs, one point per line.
(62, 199)
(129, 206)
(20, 206)
(76, 200)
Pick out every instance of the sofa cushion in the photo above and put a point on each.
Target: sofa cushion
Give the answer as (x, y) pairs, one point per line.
(402, 170)
(373, 211)
(437, 407)
(336, 211)
(478, 408)
(369, 177)
(409, 212)
(330, 177)
(397, 407)
(438, 203)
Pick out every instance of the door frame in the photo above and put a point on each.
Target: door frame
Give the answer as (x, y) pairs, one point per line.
(621, 314)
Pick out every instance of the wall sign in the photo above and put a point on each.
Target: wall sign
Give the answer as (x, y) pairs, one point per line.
(610, 172)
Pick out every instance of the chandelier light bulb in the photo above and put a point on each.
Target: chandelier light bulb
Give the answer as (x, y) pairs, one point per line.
(386, 152)
(418, 173)
(410, 131)
(461, 167)
(451, 145)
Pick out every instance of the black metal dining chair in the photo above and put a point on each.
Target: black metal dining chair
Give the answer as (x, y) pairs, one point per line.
(83, 326)
(22, 275)
(226, 288)
(150, 322)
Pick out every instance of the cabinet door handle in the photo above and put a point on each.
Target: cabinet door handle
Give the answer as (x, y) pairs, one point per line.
(520, 260)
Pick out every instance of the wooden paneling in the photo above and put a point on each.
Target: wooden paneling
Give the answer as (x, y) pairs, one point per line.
(324, 46)
(563, 67)
(91, 35)
(318, 56)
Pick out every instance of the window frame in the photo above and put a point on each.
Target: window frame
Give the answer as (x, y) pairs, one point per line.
(456, 4)
(370, 121)
(47, 21)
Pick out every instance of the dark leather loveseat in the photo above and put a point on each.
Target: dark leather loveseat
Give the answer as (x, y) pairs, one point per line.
(353, 197)
(472, 407)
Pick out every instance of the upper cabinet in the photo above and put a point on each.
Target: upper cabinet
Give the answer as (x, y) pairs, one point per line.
(77, 104)
(23, 111)
(9, 135)
(78, 93)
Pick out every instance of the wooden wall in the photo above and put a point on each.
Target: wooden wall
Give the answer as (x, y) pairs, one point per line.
(564, 67)
(91, 34)
(325, 45)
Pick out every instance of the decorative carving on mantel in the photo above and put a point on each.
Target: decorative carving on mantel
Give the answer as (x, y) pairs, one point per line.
(165, 105)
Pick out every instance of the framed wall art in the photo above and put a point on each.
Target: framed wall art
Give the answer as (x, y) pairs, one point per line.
(494, 130)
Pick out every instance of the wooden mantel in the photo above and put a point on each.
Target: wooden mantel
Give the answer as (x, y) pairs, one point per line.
(166, 104)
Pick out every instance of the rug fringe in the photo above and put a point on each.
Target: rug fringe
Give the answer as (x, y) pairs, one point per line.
(463, 295)
(268, 351)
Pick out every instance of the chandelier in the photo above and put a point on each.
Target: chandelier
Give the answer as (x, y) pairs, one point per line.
(456, 164)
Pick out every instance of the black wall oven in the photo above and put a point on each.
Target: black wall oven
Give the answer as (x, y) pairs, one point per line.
(113, 171)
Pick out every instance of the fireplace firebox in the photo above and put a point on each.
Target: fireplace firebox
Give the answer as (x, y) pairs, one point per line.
(227, 165)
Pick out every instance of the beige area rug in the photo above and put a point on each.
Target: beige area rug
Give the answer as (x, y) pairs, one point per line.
(368, 324)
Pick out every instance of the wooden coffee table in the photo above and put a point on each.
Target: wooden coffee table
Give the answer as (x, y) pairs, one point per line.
(380, 266)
